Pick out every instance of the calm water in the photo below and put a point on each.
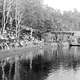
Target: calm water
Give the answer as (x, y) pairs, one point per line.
(60, 64)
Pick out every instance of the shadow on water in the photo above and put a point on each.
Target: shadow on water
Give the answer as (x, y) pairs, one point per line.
(40, 66)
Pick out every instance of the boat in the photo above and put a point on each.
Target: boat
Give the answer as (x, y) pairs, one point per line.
(74, 43)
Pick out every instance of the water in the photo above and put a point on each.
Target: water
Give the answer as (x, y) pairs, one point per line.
(58, 64)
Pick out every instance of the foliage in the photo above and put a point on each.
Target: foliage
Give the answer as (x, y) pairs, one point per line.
(33, 13)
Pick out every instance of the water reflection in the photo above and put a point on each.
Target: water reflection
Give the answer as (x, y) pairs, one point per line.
(60, 64)
(69, 62)
(40, 68)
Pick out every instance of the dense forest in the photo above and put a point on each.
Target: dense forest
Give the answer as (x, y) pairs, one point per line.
(32, 13)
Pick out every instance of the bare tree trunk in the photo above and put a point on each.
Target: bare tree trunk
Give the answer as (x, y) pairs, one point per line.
(16, 17)
(4, 17)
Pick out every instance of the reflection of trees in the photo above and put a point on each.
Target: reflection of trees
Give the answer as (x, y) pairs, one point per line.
(42, 65)
(67, 59)
(40, 68)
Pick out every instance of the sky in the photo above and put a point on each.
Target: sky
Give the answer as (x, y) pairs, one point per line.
(63, 5)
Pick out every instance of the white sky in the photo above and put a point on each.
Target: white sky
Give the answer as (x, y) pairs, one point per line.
(63, 4)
